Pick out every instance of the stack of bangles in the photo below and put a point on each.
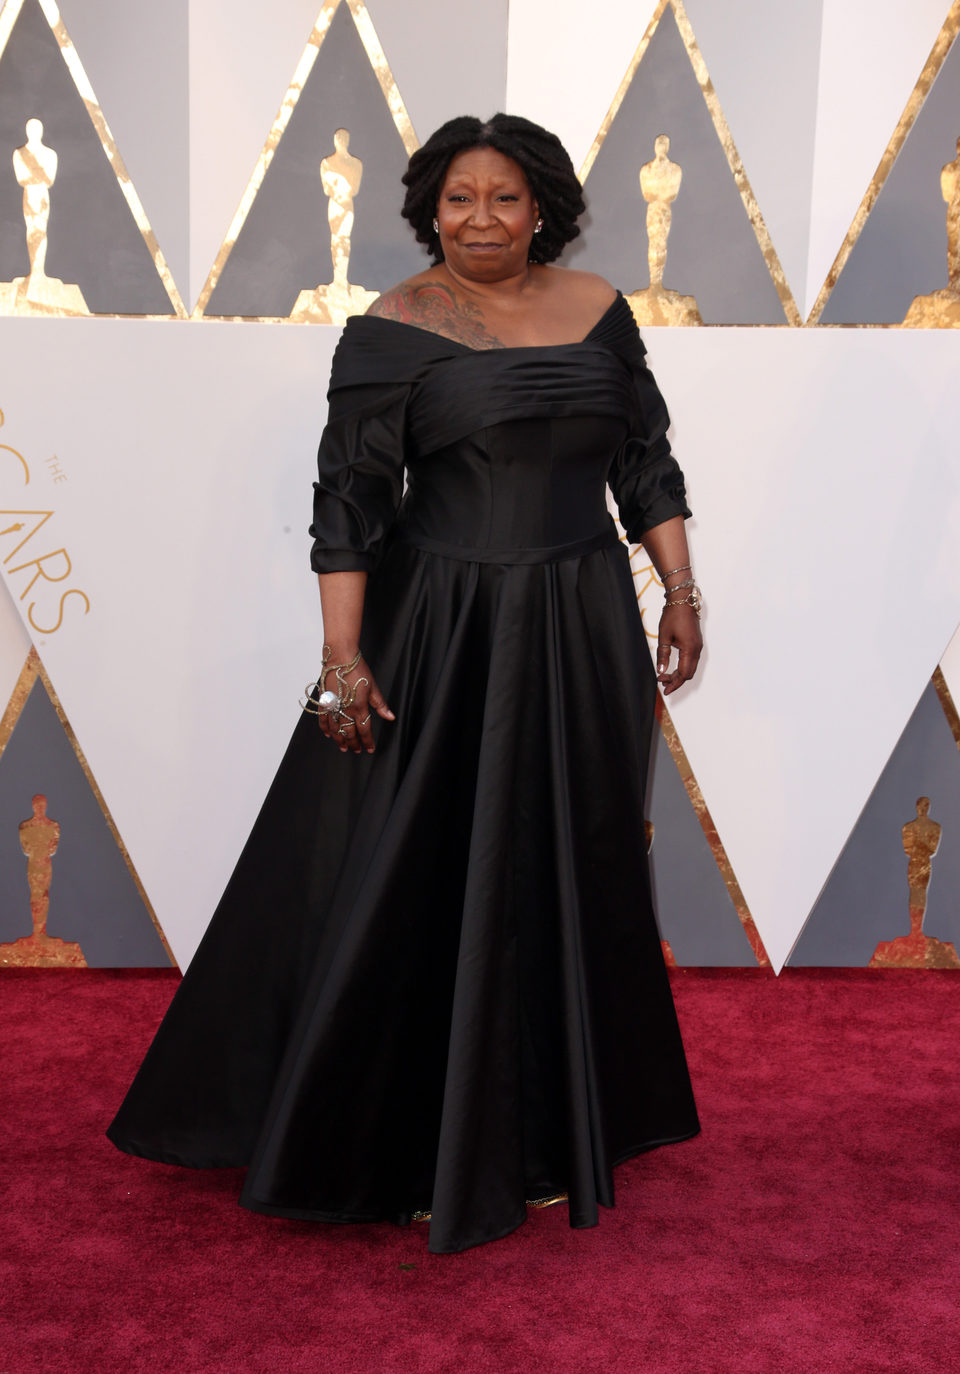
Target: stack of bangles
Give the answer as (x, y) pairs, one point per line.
(693, 598)
(332, 706)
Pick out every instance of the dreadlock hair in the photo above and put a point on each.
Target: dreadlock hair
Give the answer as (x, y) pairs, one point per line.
(540, 156)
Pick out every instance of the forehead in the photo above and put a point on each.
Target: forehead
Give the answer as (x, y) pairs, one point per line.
(483, 164)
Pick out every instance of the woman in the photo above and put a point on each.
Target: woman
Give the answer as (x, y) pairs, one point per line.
(434, 983)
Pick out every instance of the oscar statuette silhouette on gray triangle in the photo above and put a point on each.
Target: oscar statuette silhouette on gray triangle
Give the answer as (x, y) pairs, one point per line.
(71, 884)
(715, 256)
(310, 220)
(70, 243)
(941, 309)
(896, 877)
(35, 167)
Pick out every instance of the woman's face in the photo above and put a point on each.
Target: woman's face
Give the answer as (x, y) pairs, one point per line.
(486, 214)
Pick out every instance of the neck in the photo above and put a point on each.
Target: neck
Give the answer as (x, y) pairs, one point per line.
(488, 290)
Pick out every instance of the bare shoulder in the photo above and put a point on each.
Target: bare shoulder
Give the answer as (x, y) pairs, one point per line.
(429, 302)
(588, 289)
(402, 301)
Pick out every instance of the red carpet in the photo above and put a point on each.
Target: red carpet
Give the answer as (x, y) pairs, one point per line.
(813, 1226)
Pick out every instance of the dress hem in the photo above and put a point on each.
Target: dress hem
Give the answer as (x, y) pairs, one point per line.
(404, 1218)
(130, 1147)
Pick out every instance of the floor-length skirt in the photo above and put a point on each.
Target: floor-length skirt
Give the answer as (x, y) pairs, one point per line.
(435, 981)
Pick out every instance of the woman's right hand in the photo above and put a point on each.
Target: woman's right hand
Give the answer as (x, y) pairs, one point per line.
(352, 729)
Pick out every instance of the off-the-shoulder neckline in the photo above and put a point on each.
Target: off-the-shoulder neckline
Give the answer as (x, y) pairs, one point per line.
(507, 348)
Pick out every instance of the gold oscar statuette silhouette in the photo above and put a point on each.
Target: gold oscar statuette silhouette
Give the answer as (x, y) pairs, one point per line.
(921, 840)
(35, 167)
(941, 309)
(340, 176)
(660, 185)
(39, 838)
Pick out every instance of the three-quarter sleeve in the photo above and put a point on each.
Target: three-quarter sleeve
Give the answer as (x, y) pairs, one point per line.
(645, 478)
(359, 476)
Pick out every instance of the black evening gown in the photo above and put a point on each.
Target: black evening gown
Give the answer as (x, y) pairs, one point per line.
(435, 981)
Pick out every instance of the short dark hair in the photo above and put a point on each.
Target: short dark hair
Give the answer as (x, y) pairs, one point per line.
(540, 156)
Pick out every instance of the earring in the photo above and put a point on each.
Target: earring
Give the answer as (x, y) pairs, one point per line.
(436, 226)
(538, 226)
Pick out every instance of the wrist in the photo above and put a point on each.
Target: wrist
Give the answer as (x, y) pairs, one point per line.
(688, 594)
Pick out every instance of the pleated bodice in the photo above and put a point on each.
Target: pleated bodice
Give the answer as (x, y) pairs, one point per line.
(507, 452)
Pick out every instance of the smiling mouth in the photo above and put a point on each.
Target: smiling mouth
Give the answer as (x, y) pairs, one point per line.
(484, 247)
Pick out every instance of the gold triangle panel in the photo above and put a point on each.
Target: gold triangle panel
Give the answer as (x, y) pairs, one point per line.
(669, 196)
(649, 590)
(67, 203)
(702, 811)
(329, 177)
(869, 280)
(72, 896)
(890, 901)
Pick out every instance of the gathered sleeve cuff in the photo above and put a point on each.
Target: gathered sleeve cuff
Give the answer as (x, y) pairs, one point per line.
(359, 470)
(645, 478)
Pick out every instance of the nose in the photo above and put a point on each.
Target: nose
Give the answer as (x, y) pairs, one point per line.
(482, 214)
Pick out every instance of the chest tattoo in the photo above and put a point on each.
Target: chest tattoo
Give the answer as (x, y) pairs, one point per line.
(434, 306)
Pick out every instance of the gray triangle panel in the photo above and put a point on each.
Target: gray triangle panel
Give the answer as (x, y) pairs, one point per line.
(712, 250)
(93, 239)
(694, 909)
(902, 248)
(867, 898)
(283, 247)
(93, 899)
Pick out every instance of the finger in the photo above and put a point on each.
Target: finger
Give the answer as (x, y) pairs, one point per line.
(366, 732)
(349, 733)
(670, 681)
(690, 644)
(377, 702)
(664, 646)
(687, 665)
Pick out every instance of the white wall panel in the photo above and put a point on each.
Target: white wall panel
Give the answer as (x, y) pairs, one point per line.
(243, 55)
(565, 63)
(872, 53)
(433, 91)
(136, 59)
(14, 647)
(823, 474)
(822, 463)
(763, 61)
(189, 453)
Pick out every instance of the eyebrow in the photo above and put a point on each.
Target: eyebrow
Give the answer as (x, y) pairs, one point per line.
(465, 178)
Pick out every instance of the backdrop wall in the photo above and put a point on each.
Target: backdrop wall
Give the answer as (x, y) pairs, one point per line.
(160, 412)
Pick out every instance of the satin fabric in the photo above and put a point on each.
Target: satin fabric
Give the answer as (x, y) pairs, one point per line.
(435, 980)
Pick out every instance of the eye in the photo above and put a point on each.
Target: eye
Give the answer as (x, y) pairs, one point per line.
(457, 197)
(508, 195)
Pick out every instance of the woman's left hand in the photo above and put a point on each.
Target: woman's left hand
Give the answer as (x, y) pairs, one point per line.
(680, 629)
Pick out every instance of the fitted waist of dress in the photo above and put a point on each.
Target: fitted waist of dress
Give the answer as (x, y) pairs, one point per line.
(556, 553)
